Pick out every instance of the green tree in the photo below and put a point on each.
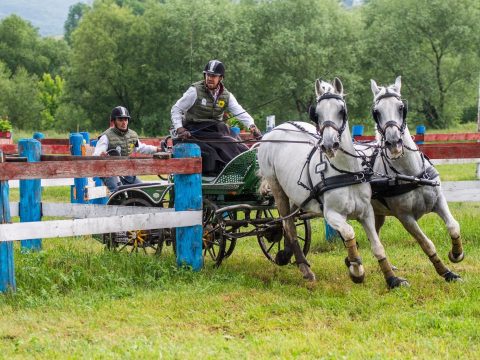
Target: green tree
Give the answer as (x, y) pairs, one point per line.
(19, 100)
(433, 44)
(75, 14)
(50, 92)
(22, 46)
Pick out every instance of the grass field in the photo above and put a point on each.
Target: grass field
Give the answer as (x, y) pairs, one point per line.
(75, 300)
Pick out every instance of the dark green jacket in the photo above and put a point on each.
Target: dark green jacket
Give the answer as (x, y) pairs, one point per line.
(127, 141)
(205, 107)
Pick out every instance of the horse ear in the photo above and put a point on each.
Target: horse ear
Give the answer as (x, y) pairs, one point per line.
(373, 85)
(337, 84)
(398, 83)
(318, 87)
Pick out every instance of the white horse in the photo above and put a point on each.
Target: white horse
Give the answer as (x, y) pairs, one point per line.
(421, 193)
(313, 168)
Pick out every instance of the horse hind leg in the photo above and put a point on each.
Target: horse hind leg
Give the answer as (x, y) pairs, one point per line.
(456, 253)
(428, 248)
(283, 205)
(353, 260)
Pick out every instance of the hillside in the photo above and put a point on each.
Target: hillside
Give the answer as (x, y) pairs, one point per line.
(48, 16)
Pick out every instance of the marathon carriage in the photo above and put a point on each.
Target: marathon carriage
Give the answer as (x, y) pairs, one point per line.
(233, 209)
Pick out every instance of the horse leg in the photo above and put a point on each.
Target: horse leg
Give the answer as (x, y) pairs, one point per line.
(353, 259)
(379, 221)
(283, 206)
(428, 247)
(379, 252)
(441, 208)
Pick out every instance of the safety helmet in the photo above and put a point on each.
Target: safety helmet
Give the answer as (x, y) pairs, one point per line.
(119, 112)
(214, 67)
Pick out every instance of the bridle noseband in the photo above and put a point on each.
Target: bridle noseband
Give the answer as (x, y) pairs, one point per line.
(390, 123)
(312, 111)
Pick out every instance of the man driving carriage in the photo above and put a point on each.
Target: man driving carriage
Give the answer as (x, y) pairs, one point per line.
(120, 140)
(198, 117)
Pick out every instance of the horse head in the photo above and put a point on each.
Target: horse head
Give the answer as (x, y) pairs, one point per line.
(389, 112)
(329, 114)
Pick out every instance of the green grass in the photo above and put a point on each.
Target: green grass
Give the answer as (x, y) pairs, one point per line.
(76, 300)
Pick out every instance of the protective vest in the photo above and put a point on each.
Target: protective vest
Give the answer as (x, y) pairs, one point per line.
(205, 107)
(127, 141)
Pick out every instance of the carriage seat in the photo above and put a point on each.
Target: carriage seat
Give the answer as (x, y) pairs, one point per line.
(233, 175)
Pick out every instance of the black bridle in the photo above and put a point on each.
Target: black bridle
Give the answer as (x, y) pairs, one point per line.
(390, 123)
(312, 111)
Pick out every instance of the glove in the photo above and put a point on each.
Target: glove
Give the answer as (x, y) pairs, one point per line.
(255, 132)
(183, 133)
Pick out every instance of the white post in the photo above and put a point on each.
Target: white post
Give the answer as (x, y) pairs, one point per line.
(478, 125)
(270, 123)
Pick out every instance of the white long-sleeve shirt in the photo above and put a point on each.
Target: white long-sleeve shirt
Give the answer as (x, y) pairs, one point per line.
(102, 147)
(190, 96)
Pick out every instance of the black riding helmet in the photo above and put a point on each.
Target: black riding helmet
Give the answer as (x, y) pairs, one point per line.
(119, 112)
(214, 67)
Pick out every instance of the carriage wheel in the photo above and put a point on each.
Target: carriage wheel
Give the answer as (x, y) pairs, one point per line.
(213, 238)
(146, 241)
(272, 240)
(230, 242)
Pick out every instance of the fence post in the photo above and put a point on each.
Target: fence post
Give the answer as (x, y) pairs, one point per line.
(30, 192)
(7, 266)
(38, 136)
(188, 196)
(420, 134)
(357, 130)
(77, 192)
(330, 233)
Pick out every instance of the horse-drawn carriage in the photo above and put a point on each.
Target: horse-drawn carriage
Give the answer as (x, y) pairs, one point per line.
(233, 209)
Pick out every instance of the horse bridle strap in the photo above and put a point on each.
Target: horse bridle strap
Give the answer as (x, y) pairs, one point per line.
(329, 123)
(390, 123)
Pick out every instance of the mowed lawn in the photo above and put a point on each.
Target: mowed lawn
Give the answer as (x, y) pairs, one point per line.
(76, 300)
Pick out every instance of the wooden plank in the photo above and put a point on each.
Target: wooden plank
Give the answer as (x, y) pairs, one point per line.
(96, 192)
(452, 137)
(451, 150)
(83, 211)
(78, 227)
(100, 167)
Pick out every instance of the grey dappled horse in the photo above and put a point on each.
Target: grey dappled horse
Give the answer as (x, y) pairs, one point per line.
(408, 201)
(303, 165)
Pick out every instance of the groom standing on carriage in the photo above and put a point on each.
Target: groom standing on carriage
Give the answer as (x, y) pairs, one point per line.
(198, 117)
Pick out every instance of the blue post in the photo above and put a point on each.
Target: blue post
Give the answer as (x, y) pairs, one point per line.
(330, 233)
(188, 196)
(420, 131)
(30, 192)
(86, 137)
(77, 192)
(357, 130)
(38, 136)
(7, 265)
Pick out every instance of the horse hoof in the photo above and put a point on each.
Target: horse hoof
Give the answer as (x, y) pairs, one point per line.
(455, 258)
(451, 277)
(394, 282)
(307, 273)
(283, 257)
(358, 277)
(394, 268)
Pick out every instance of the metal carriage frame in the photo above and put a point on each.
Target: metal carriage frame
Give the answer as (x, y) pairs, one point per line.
(233, 209)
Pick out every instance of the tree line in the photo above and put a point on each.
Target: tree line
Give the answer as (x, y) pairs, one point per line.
(144, 55)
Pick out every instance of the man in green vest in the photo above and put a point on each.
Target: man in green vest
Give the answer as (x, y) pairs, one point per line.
(198, 117)
(119, 140)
